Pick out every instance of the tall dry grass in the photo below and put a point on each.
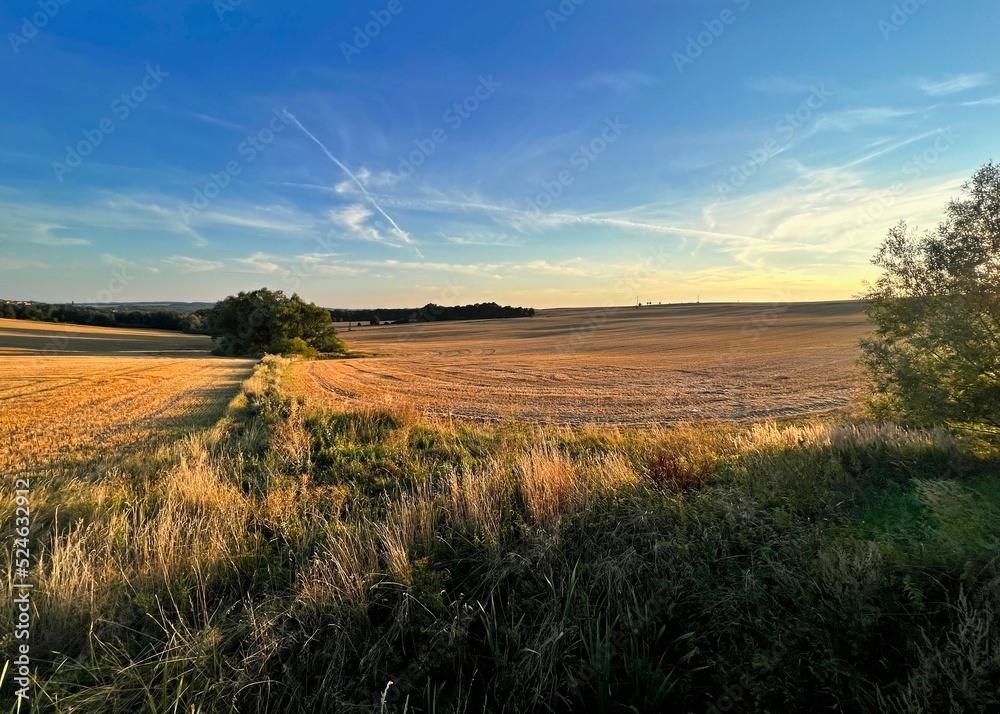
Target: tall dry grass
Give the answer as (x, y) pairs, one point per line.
(296, 559)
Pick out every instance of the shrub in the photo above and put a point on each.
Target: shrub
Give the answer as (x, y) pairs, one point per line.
(250, 324)
(935, 355)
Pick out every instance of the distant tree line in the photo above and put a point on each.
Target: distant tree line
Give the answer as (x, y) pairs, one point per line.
(105, 316)
(432, 313)
(198, 322)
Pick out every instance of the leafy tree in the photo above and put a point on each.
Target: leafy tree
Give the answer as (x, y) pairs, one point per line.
(194, 324)
(935, 353)
(263, 321)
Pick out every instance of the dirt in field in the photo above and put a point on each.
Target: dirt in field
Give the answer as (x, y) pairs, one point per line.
(609, 366)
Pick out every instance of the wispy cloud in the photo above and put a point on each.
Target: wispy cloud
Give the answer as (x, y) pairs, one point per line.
(298, 267)
(538, 219)
(41, 222)
(830, 211)
(248, 220)
(851, 119)
(400, 233)
(887, 148)
(574, 267)
(469, 268)
(544, 267)
(55, 241)
(382, 179)
(988, 101)
(218, 122)
(139, 209)
(481, 239)
(319, 264)
(259, 263)
(193, 265)
(123, 264)
(952, 84)
(354, 219)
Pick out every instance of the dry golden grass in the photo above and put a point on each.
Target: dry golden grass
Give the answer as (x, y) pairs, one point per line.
(235, 569)
(24, 337)
(619, 366)
(62, 407)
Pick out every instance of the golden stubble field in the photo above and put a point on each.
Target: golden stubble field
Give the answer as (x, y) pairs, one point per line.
(617, 366)
(66, 391)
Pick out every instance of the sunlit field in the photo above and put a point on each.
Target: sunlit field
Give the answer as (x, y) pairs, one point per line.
(619, 366)
(561, 357)
(56, 405)
(23, 337)
(66, 407)
(205, 547)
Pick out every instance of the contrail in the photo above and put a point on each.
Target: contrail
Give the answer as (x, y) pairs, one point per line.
(399, 231)
(564, 218)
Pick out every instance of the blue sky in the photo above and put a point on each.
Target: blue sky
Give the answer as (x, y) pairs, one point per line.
(399, 152)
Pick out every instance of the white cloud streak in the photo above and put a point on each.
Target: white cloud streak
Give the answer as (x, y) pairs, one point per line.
(403, 235)
(952, 84)
(193, 265)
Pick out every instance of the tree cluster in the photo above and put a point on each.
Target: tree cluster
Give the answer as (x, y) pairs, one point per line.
(265, 321)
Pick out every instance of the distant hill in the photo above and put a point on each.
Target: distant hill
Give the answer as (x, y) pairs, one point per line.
(185, 307)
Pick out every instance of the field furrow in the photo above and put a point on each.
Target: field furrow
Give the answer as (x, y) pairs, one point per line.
(719, 362)
(62, 407)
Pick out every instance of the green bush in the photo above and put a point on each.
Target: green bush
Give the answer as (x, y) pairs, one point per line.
(251, 324)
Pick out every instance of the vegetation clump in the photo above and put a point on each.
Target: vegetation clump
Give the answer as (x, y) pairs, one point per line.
(266, 321)
(935, 355)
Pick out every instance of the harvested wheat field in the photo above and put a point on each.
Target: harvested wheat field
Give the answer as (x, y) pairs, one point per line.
(616, 366)
(65, 407)
(24, 337)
